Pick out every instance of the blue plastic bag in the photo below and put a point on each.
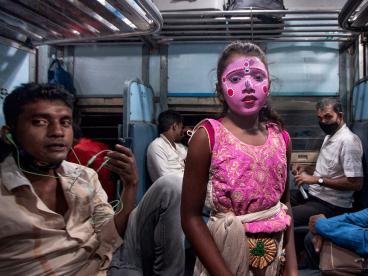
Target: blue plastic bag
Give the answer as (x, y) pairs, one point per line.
(58, 75)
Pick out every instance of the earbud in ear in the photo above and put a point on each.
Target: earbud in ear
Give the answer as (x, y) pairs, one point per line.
(9, 136)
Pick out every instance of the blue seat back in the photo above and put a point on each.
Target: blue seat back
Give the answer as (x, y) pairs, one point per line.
(138, 104)
(360, 127)
(138, 129)
(141, 135)
(360, 101)
(361, 197)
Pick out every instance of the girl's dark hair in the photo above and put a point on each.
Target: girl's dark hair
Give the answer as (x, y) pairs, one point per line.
(266, 114)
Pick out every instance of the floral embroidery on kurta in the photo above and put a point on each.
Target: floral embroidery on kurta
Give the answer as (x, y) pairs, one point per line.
(246, 178)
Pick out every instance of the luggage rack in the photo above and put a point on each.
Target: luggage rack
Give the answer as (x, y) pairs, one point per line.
(255, 25)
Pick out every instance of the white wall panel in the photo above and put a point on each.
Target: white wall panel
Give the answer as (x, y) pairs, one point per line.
(192, 68)
(314, 4)
(102, 70)
(304, 68)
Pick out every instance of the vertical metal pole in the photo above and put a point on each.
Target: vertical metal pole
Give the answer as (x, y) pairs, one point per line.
(363, 41)
(344, 90)
(352, 73)
(164, 76)
(32, 66)
(69, 59)
(43, 61)
(361, 57)
(145, 64)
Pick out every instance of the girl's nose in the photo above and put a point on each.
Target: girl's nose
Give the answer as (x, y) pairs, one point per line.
(248, 85)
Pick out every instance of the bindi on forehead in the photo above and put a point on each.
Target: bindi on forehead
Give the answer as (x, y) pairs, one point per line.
(249, 62)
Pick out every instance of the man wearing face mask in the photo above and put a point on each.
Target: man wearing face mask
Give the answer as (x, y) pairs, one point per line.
(338, 171)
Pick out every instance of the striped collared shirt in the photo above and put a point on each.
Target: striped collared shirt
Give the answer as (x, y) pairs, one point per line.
(35, 240)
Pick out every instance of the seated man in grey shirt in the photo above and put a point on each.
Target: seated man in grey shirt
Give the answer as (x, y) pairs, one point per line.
(338, 171)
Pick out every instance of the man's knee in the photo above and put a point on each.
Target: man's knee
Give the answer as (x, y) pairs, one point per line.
(169, 185)
(164, 193)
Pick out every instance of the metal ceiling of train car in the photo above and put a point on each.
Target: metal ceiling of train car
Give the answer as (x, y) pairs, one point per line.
(35, 22)
(70, 22)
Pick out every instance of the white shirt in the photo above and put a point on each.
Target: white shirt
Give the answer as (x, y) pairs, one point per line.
(163, 158)
(340, 155)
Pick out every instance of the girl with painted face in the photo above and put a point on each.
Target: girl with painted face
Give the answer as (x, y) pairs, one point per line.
(237, 166)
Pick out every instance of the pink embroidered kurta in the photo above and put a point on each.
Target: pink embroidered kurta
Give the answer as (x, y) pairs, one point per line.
(246, 178)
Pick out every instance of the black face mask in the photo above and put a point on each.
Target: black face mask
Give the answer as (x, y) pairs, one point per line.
(29, 163)
(329, 129)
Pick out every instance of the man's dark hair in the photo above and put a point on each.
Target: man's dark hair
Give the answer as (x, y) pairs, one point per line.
(30, 93)
(167, 118)
(334, 102)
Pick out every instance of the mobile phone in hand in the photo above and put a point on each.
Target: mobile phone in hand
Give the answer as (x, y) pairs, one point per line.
(126, 142)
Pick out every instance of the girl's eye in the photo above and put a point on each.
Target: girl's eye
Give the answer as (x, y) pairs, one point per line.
(258, 77)
(234, 78)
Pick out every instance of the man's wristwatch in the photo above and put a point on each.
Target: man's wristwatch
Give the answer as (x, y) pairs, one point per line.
(320, 181)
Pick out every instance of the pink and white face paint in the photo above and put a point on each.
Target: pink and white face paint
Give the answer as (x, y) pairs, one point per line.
(245, 85)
